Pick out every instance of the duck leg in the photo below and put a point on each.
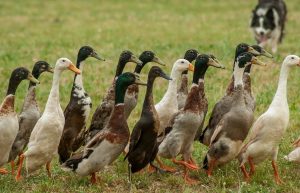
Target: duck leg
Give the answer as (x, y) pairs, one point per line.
(48, 169)
(211, 166)
(94, 178)
(163, 166)
(3, 171)
(18, 176)
(252, 166)
(276, 175)
(186, 164)
(246, 175)
(12, 165)
(187, 178)
(153, 168)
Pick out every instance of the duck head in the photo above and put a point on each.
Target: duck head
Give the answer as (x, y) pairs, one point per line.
(262, 51)
(155, 72)
(292, 60)
(85, 52)
(242, 61)
(17, 76)
(243, 47)
(146, 57)
(181, 65)
(64, 64)
(125, 57)
(40, 67)
(124, 80)
(190, 55)
(203, 61)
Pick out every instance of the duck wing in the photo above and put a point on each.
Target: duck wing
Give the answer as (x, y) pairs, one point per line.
(134, 138)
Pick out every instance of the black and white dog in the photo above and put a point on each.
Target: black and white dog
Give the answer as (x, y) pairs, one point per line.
(267, 22)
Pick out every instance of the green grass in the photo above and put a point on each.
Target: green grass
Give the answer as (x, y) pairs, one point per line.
(36, 30)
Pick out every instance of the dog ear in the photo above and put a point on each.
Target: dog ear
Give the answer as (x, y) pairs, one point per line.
(270, 15)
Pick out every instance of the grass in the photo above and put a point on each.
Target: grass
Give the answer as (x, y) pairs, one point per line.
(36, 30)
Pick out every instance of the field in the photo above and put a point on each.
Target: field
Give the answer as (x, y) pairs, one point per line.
(39, 30)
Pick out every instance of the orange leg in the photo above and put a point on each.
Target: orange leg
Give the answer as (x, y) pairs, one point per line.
(48, 169)
(187, 178)
(211, 166)
(164, 167)
(276, 175)
(252, 167)
(18, 176)
(94, 178)
(246, 175)
(151, 169)
(186, 164)
(3, 171)
(12, 165)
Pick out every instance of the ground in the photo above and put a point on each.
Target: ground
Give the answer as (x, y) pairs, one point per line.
(39, 30)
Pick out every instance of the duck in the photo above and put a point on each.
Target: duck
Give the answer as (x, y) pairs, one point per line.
(294, 156)
(168, 105)
(231, 131)
(182, 92)
(78, 109)
(269, 128)
(224, 104)
(132, 92)
(9, 121)
(46, 134)
(29, 114)
(185, 123)
(143, 145)
(106, 146)
(103, 111)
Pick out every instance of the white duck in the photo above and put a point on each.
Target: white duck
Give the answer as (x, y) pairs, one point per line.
(46, 134)
(270, 127)
(9, 123)
(169, 104)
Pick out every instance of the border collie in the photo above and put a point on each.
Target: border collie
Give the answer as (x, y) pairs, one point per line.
(267, 22)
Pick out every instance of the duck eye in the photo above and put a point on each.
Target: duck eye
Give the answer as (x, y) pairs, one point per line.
(63, 60)
(293, 58)
(182, 62)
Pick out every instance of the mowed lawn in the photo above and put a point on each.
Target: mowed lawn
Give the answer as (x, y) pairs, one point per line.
(40, 30)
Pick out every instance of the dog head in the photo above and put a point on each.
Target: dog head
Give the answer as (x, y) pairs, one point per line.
(263, 23)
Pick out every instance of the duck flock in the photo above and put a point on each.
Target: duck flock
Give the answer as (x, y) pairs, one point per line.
(165, 130)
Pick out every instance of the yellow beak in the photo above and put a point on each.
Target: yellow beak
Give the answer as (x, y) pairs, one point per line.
(73, 68)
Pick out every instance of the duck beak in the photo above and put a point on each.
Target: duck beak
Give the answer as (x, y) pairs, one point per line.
(73, 68)
(95, 55)
(265, 53)
(257, 61)
(134, 59)
(32, 79)
(163, 75)
(158, 61)
(191, 67)
(253, 51)
(215, 63)
(50, 69)
(138, 81)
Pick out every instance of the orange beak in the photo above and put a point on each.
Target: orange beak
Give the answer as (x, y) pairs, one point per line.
(191, 67)
(73, 68)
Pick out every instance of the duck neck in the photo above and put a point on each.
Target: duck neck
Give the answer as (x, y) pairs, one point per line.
(120, 93)
(138, 68)
(238, 76)
(78, 77)
(172, 87)
(54, 92)
(199, 73)
(281, 92)
(248, 69)
(149, 96)
(12, 85)
(36, 74)
(120, 67)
